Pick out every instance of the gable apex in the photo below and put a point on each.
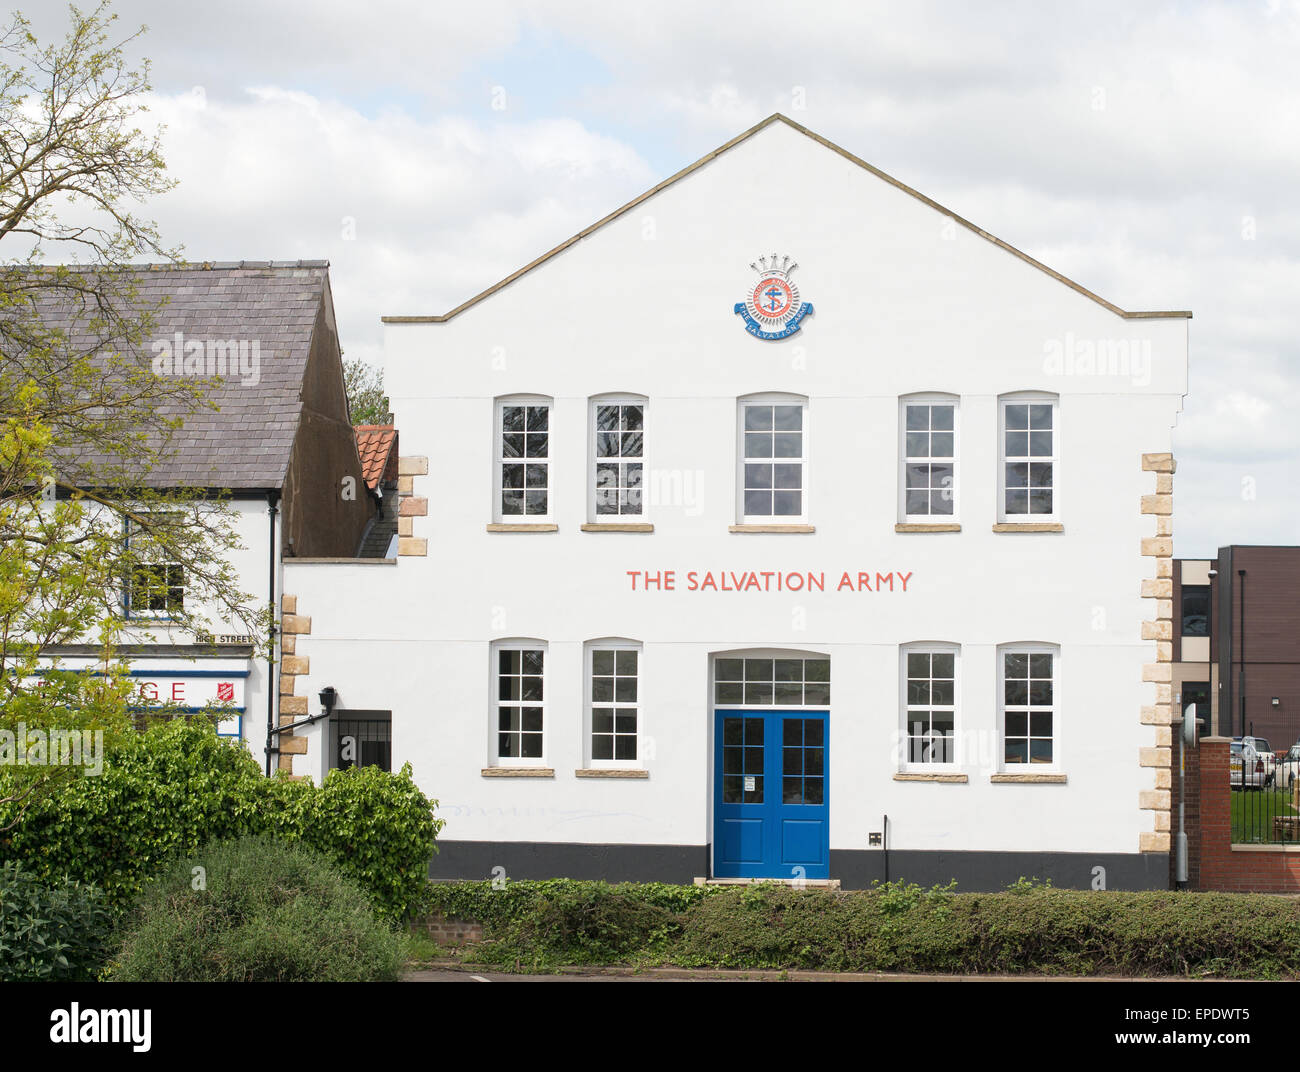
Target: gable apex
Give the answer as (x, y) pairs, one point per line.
(778, 117)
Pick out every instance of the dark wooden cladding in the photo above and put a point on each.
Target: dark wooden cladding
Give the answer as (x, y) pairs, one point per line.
(319, 519)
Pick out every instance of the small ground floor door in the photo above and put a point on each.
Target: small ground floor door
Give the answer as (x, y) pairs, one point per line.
(771, 816)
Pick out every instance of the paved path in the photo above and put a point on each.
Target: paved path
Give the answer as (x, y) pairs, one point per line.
(452, 972)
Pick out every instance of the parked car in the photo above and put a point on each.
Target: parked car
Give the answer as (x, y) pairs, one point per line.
(1251, 763)
(1288, 766)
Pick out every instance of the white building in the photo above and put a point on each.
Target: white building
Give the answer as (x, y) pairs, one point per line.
(863, 598)
(278, 445)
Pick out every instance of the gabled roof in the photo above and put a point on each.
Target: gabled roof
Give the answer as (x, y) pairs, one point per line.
(246, 442)
(377, 443)
(779, 118)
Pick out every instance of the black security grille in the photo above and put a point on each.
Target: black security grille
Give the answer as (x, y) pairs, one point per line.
(361, 739)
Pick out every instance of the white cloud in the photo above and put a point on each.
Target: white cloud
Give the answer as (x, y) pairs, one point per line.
(1151, 153)
(440, 209)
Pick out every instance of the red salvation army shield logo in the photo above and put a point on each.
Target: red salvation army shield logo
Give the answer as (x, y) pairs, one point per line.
(773, 309)
(773, 297)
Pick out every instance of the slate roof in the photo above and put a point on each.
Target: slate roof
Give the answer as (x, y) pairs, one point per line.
(376, 444)
(246, 442)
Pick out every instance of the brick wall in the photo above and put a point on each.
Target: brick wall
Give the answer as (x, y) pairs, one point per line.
(1263, 869)
(450, 931)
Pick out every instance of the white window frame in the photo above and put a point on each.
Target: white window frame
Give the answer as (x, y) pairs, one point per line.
(132, 613)
(804, 654)
(593, 460)
(614, 644)
(495, 759)
(771, 399)
(929, 399)
(929, 647)
(1029, 648)
(1029, 398)
(499, 460)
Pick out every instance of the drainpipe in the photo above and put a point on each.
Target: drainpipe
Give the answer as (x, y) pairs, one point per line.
(885, 846)
(1241, 678)
(272, 747)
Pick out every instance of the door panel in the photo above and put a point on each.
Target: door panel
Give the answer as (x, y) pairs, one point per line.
(771, 813)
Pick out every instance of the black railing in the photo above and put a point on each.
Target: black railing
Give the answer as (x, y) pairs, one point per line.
(1264, 772)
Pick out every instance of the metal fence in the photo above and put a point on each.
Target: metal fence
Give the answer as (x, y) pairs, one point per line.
(1264, 773)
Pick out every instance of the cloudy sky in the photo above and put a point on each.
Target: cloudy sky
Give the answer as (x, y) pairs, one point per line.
(1150, 151)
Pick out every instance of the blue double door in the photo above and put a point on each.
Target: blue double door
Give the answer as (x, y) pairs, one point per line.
(771, 799)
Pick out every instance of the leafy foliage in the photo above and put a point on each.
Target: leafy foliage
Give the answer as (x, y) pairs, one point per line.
(377, 827)
(178, 785)
(85, 418)
(58, 931)
(896, 927)
(255, 910)
(364, 385)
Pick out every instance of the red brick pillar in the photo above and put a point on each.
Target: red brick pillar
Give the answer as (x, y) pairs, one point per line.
(1215, 817)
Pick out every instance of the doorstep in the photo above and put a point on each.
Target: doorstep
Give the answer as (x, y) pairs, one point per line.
(813, 883)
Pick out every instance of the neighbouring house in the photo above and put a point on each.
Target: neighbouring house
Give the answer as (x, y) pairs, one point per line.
(281, 443)
(1237, 646)
(781, 524)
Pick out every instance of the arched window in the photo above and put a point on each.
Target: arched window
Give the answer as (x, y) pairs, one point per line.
(1029, 453)
(522, 459)
(518, 706)
(772, 459)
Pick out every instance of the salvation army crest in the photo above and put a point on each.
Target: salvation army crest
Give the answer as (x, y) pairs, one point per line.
(772, 308)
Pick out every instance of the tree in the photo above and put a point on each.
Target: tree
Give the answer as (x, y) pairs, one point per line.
(84, 418)
(365, 389)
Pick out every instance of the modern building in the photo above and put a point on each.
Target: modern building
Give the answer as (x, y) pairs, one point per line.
(1238, 648)
(782, 524)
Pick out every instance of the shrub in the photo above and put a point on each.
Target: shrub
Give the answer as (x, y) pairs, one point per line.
(162, 792)
(552, 921)
(897, 927)
(266, 910)
(378, 828)
(50, 932)
(178, 785)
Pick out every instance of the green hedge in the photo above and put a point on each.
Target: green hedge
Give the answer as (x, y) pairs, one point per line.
(166, 791)
(894, 928)
(568, 921)
(255, 910)
(50, 932)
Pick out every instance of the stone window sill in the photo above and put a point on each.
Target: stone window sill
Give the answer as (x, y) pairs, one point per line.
(611, 772)
(772, 528)
(1028, 526)
(919, 526)
(1028, 779)
(539, 526)
(518, 772)
(618, 526)
(928, 776)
